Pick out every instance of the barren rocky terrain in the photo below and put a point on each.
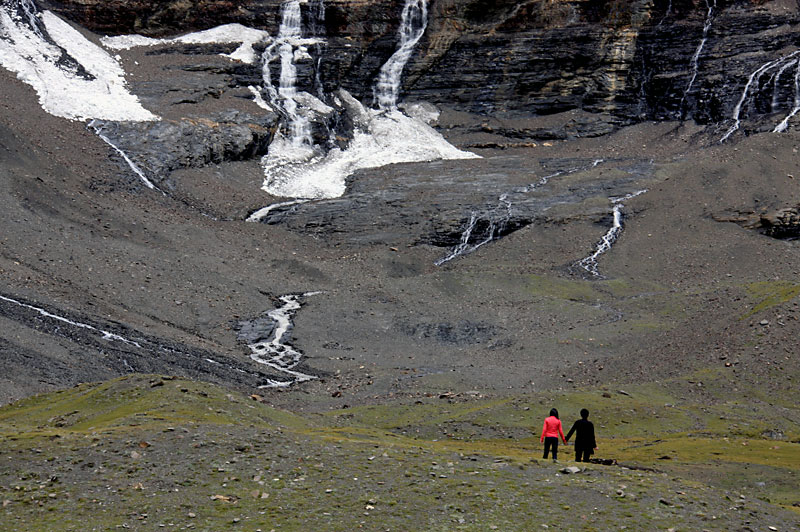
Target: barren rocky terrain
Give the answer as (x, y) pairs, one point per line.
(430, 371)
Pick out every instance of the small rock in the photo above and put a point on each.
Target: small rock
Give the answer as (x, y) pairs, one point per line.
(764, 322)
(571, 470)
(623, 392)
(665, 502)
(135, 455)
(191, 515)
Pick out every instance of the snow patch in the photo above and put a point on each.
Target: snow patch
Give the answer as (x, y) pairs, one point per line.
(62, 90)
(388, 137)
(227, 33)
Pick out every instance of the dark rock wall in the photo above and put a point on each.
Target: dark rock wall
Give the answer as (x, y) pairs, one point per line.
(628, 58)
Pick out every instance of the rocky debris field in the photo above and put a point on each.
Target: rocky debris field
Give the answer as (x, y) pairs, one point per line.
(691, 310)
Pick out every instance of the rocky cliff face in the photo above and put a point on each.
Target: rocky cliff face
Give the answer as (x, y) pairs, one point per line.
(632, 59)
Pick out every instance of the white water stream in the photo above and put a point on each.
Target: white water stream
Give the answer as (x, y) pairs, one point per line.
(277, 354)
(99, 131)
(755, 76)
(106, 335)
(262, 213)
(496, 226)
(290, 48)
(796, 108)
(590, 263)
(696, 57)
(295, 168)
(413, 22)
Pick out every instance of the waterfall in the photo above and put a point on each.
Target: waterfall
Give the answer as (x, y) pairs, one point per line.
(464, 246)
(413, 22)
(297, 168)
(289, 36)
(590, 263)
(667, 13)
(754, 77)
(275, 353)
(776, 80)
(698, 51)
(30, 12)
(785, 122)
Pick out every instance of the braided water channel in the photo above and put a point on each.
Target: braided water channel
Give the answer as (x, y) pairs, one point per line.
(268, 342)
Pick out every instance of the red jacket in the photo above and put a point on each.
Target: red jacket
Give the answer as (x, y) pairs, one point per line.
(552, 429)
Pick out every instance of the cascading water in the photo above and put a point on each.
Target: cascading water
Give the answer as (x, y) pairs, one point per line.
(386, 136)
(796, 108)
(496, 226)
(289, 37)
(696, 57)
(276, 354)
(776, 82)
(590, 263)
(754, 79)
(413, 23)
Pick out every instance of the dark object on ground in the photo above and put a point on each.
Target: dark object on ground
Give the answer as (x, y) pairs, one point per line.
(603, 461)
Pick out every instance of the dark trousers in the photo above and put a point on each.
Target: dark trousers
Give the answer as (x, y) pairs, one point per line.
(551, 443)
(582, 452)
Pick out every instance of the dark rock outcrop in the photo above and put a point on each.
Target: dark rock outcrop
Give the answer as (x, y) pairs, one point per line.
(158, 148)
(633, 59)
(782, 223)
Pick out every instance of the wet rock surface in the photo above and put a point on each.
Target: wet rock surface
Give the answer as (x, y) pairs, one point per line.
(632, 60)
(158, 148)
(434, 205)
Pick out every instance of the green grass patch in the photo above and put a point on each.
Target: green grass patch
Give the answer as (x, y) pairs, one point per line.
(768, 294)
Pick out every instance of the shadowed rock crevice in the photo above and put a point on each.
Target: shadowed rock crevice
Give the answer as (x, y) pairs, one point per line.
(782, 223)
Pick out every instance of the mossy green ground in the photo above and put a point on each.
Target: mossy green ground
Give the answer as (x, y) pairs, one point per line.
(145, 451)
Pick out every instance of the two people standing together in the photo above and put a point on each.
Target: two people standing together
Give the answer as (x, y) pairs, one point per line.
(585, 443)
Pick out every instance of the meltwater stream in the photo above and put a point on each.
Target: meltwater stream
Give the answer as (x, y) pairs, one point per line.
(136, 170)
(471, 240)
(290, 47)
(295, 168)
(590, 263)
(753, 84)
(105, 335)
(414, 21)
(275, 352)
(696, 57)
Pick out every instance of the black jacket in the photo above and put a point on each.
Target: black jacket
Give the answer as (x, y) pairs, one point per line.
(584, 434)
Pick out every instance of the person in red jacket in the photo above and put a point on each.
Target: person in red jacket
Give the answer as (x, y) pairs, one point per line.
(550, 433)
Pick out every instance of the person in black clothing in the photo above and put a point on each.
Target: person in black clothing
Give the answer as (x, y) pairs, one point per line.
(585, 443)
